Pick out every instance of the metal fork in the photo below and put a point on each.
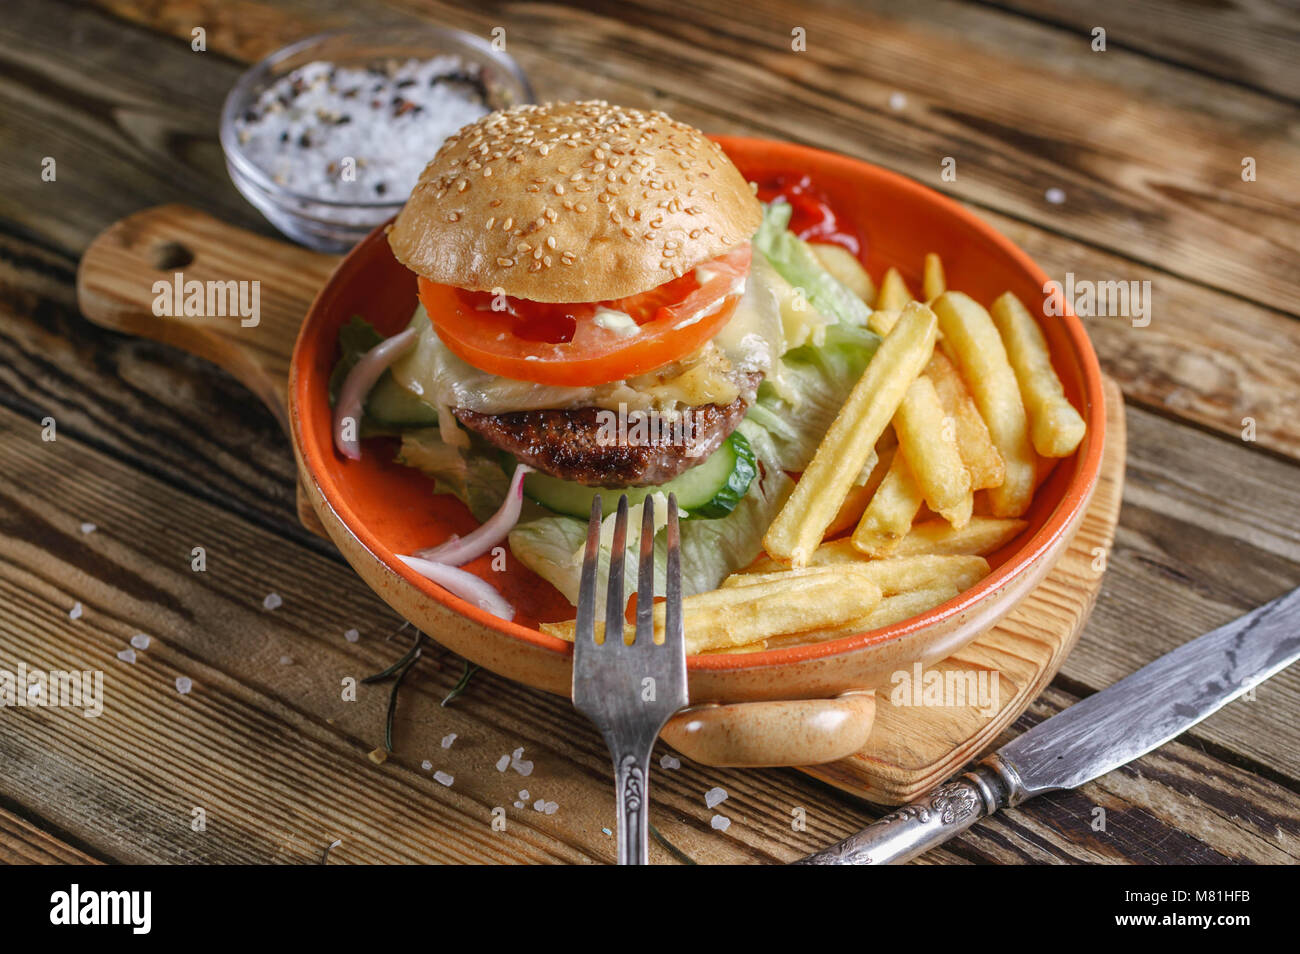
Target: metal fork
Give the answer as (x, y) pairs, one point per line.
(630, 690)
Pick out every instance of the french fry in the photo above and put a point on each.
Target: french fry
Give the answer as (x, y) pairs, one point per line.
(845, 267)
(859, 496)
(882, 321)
(894, 293)
(893, 575)
(742, 615)
(890, 610)
(757, 647)
(1055, 427)
(921, 425)
(974, 345)
(890, 513)
(973, 441)
(852, 436)
(982, 536)
(933, 282)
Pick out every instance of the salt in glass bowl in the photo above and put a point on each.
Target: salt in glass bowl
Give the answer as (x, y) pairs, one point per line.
(333, 224)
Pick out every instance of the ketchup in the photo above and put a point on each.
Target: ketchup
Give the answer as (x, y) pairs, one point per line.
(812, 218)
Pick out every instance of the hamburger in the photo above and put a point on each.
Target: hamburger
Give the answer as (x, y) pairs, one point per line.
(585, 264)
(605, 303)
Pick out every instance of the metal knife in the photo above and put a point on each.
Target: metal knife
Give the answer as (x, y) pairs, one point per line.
(1102, 732)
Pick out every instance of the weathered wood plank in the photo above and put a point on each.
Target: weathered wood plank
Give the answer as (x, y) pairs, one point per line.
(22, 843)
(175, 416)
(1067, 118)
(264, 742)
(1235, 816)
(1208, 356)
(129, 121)
(1251, 42)
(1208, 532)
(278, 761)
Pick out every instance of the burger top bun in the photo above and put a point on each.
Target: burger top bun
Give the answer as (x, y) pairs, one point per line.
(573, 202)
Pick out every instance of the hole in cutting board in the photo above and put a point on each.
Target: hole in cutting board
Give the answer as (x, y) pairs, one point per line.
(169, 255)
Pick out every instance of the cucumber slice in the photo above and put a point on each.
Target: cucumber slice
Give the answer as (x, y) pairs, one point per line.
(708, 490)
(389, 405)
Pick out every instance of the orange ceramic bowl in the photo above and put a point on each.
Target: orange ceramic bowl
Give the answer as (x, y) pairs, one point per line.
(374, 509)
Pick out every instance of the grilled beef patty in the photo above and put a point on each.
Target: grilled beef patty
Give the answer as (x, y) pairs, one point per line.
(572, 444)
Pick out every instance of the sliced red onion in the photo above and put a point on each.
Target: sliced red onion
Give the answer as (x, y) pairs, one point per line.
(463, 584)
(356, 386)
(459, 551)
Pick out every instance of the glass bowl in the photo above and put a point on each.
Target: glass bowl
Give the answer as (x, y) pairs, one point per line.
(330, 224)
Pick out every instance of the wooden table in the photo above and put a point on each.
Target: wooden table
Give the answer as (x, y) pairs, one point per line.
(163, 453)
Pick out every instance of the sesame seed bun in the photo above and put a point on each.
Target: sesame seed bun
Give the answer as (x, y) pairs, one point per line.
(573, 202)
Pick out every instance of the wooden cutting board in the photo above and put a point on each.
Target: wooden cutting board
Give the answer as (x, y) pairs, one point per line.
(911, 748)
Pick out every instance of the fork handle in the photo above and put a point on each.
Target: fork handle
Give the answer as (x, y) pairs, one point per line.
(632, 801)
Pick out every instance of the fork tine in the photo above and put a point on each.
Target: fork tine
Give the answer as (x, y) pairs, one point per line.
(585, 629)
(645, 578)
(614, 602)
(674, 630)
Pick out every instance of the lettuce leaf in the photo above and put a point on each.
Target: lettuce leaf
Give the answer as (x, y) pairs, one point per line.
(815, 382)
(797, 264)
(473, 475)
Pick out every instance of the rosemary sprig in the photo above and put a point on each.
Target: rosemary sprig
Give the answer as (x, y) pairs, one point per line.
(395, 667)
(672, 849)
(470, 669)
(392, 698)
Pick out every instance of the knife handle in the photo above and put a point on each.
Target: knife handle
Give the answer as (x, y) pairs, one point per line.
(930, 820)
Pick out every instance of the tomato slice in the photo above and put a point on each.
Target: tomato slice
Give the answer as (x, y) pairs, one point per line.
(572, 344)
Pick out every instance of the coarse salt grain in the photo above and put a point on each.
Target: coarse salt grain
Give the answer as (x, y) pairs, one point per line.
(444, 778)
(272, 601)
(448, 739)
(351, 635)
(897, 102)
(140, 641)
(720, 822)
(1055, 196)
(184, 684)
(715, 796)
(670, 762)
(427, 765)
(88, 527)
(76, 611)
(503, 763)
(127, 655)
(343, 133)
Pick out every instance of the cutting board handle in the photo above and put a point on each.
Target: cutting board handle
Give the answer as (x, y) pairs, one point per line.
(142, 274)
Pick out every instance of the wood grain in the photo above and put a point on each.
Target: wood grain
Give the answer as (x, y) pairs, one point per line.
(1147, 148)
(22, 843)
(1213, 357)
(278, 762)
(1245, 42)
(1176, 202)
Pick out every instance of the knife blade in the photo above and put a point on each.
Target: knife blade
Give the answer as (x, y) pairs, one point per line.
(1139, 713)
